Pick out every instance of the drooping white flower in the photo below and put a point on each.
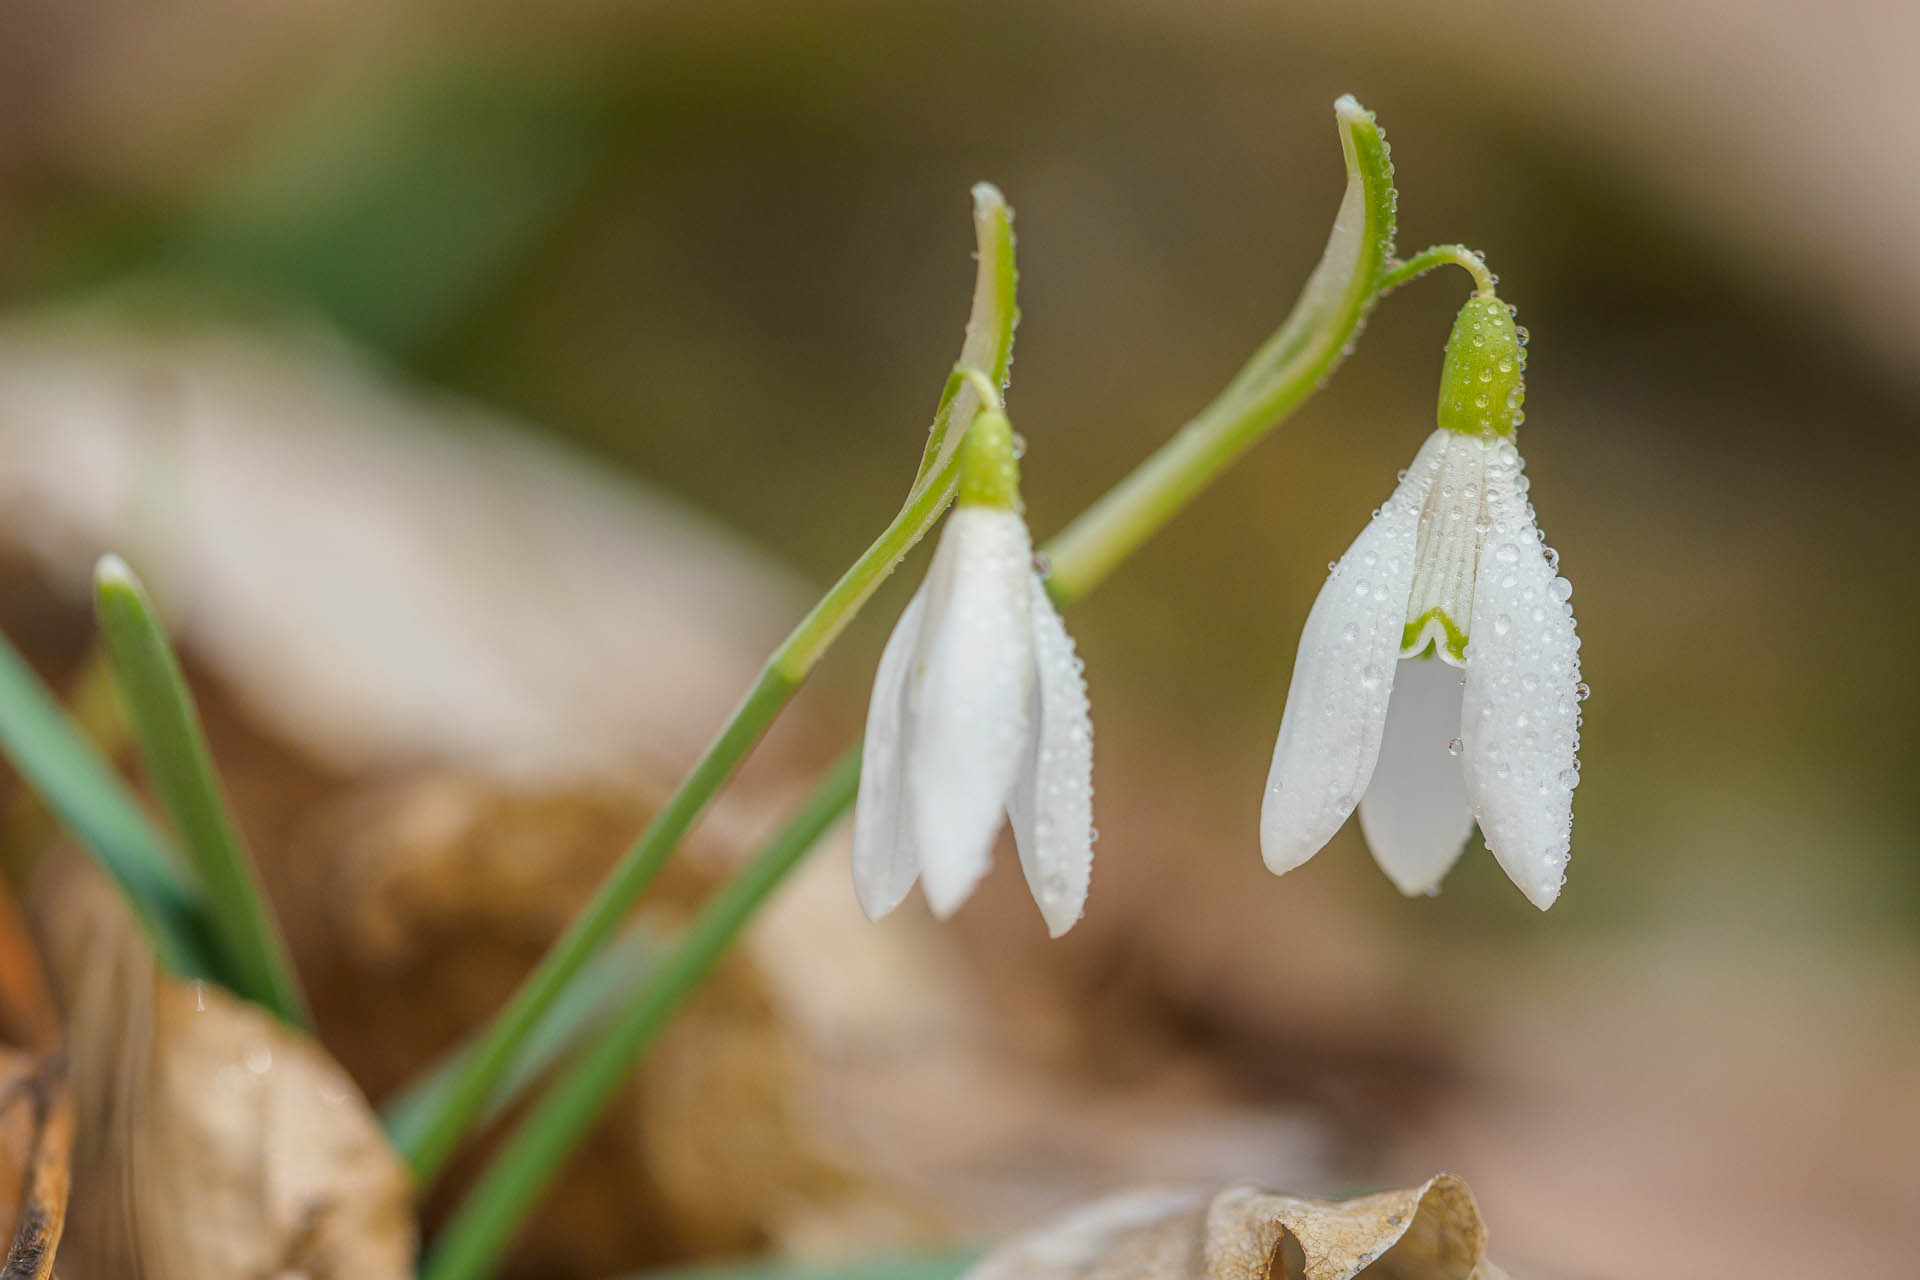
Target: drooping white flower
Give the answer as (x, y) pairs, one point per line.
(1438, 677)
(979, 714)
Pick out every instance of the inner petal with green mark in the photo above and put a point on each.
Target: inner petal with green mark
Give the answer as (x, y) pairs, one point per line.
(1447, 553)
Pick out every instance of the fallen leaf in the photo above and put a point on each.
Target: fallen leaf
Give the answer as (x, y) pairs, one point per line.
(438, 891)
(1429, 1232)
(215, 1142)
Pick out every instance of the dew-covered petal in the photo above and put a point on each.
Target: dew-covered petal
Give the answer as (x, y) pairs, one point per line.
(1052, 802)
(1520, 719)
(966, 710)
(885, 861)
(1415, 814)
(1342, 677)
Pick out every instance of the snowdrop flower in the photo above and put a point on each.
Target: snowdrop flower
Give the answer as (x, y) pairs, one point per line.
(979, 711)
(1438, 676)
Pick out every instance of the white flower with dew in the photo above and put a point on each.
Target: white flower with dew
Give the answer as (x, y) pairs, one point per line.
(979, 713)
(1438, 676)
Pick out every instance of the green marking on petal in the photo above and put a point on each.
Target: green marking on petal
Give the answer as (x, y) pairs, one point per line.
(1483, 381)
(1434, 627)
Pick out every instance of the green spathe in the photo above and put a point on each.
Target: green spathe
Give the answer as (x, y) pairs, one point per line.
(989, 466)
(1484, 381)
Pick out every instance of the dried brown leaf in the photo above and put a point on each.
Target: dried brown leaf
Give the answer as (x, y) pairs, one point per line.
(1429, 1232)
(438, 891)
(214, 1142)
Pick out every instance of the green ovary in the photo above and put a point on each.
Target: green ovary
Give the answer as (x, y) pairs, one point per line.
(1483, 381)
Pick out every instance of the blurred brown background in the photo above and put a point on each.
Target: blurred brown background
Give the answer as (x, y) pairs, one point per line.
(722, 248)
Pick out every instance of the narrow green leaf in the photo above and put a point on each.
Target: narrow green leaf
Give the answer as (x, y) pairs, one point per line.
(167, 727)
(581, 1010)
(83, 791)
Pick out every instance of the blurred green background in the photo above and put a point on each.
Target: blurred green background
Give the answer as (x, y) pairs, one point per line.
(724, 246)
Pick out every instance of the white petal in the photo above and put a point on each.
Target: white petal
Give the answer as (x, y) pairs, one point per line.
(966, 717)
(1415, 813)
(1522, 697)
(1342, 676)
(885, 861)
(1052, 801)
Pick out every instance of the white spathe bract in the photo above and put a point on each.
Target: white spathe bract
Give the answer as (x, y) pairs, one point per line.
(979, 713)
(1453, 566)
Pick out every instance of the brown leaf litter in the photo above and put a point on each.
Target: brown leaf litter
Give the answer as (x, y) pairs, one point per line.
(1429, 1232)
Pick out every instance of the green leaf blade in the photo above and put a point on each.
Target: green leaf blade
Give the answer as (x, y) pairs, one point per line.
(167, 728)
(81, 788)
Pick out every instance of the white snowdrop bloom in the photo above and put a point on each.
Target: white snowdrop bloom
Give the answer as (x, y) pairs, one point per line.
(1438, 677)
(979, 712)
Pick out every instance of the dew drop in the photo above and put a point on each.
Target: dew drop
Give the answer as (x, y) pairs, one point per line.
(1560, 589)
(1455, 747)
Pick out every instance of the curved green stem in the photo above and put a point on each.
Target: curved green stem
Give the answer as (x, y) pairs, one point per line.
(1440, 255)
(1286, 369)
(428, 1136)
(1289, 367)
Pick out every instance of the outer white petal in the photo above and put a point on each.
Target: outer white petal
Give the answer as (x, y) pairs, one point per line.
(966, 715)
(1523, 675)
(1052, 801)
(1342, 677)
(885, 859)
(1415, 814)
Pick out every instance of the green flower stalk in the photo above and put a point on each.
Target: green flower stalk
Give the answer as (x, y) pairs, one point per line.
(427, 1136)
(1355, 269)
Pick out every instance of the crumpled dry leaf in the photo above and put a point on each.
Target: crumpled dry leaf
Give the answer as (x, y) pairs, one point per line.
(1429, 1232)
(215, 1143)
(438, 891)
